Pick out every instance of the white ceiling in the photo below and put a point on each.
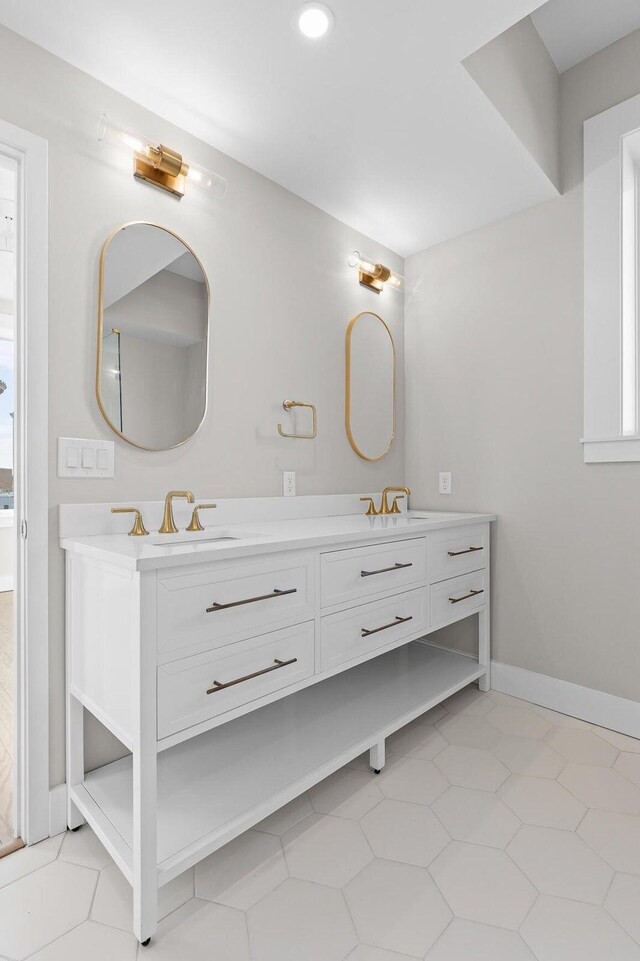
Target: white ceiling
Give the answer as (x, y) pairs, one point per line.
(573, 30)
(378, 124)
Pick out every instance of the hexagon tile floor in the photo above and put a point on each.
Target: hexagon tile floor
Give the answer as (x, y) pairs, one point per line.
(499, 831)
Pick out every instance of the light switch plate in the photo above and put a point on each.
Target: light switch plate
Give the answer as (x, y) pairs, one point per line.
(76, 452)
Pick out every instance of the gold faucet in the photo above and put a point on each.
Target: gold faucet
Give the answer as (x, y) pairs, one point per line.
(394, 509)
(195, 524)
(168, 525)
(384, 504)
(138, 529)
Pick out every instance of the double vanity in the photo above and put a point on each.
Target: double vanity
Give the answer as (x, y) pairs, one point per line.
(243, 663)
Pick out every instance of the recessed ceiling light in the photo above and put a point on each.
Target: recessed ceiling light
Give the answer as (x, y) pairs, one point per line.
(314, 20)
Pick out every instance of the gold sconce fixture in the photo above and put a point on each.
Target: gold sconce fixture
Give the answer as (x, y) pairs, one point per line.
(372, 275)
(160, 165)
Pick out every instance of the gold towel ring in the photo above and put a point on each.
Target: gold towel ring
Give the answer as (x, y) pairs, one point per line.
(288, 404)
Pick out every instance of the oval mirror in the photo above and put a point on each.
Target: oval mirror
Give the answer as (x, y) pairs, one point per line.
(153, 331)
(370, 403)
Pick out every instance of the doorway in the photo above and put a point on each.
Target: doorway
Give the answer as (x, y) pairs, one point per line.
(8, 184)
(24, 562)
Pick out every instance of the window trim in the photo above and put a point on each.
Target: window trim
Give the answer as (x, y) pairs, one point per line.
(611, 284)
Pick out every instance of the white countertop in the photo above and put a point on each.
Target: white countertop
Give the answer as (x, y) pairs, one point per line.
(264, 537)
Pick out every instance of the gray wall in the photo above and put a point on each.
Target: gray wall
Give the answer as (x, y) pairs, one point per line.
(494, 393)
(517, 74)
(281, 298)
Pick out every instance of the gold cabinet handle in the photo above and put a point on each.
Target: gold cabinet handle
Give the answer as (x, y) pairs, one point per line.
(469, 550)
(194, 524)
(277, 664)
(456, 600)
(138, 529)
(251, 600)
(385, 570)
(385, 627)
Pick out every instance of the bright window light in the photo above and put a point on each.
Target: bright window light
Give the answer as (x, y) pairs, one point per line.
(314, 20)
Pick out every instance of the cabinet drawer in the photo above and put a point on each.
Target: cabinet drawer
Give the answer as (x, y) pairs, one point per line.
(354, 633)
(194, 689)
(457, 551)
(207, 609)
(354, 574)
(453, 599)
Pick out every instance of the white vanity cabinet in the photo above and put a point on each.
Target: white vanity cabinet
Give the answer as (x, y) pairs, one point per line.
(240, 673)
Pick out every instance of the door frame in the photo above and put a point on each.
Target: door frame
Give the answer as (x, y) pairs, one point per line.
(31, 489)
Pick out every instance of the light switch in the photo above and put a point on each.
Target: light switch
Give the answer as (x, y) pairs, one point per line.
(81, 457)
(88, 457)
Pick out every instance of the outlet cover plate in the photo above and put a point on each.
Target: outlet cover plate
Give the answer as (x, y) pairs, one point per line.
(444, 483)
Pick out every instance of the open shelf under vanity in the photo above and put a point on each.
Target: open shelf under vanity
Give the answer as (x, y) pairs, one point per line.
(214, 786)
(241, 673)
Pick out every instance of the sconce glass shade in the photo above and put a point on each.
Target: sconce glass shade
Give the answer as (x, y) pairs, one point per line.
(374, 275)
(162, 159)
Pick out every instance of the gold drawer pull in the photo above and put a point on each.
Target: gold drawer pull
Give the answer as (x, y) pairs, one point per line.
(385, 570)
(219, 686)
(385, 627)
(251, 600)
(456, 600)
(469, 550)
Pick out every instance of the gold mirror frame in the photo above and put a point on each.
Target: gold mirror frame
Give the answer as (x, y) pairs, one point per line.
(103, 254)
(347, 401)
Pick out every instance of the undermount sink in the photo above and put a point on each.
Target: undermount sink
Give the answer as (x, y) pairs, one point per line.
(432, 516)
(204, 538)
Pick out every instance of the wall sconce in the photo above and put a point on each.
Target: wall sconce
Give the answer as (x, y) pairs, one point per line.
(374, 276)
(160, 165)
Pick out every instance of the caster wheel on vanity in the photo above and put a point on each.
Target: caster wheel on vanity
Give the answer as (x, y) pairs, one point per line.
(376, 770)
(145, 943)
(76, 829)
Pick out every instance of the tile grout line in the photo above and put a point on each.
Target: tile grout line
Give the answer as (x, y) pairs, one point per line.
(73, 927)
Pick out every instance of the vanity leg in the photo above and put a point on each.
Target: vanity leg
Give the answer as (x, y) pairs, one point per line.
(377, 756)
(484, 649)
(75, 757)
(145, 765)
(145, 871)
(74, 745)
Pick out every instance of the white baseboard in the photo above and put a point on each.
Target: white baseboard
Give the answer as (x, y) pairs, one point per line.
(57, 810)
(6, 582)
(596, 707)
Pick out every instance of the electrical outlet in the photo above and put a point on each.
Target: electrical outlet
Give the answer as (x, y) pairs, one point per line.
(289, 483)
(444, 486)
